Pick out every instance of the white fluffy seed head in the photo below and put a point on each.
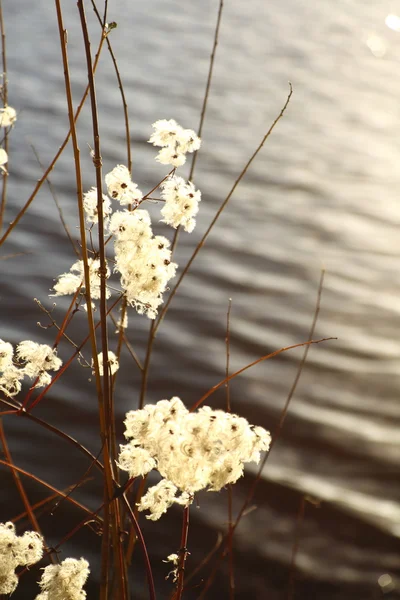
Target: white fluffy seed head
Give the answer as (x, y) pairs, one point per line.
(8, 116)
(90, 206)
(15, 551)
(206, 449)
(64, 581)
(68, 283)
(181, 203)
(121, 187)
(174, 141)
(112, 363)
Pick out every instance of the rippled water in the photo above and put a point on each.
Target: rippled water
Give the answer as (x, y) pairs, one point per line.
(323, 193)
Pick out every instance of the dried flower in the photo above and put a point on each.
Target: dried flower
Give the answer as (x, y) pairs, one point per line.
(90, 206)
(175, 142)
(181, 203)
(16, 551)
(192, 451)
(8, 116)
(121, 187)
(112, 363)
(68, 283)
(64, 581)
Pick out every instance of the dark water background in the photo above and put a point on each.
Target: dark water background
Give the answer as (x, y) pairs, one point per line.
(323, 193)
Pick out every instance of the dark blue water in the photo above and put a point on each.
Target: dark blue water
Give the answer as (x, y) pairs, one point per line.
(323, 193)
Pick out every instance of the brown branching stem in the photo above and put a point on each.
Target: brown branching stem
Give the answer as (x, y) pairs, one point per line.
(104, 394)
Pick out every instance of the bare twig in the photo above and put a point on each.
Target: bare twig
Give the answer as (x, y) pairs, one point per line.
(295, 548)
(220, 210)
(56, 202)
(5, 100)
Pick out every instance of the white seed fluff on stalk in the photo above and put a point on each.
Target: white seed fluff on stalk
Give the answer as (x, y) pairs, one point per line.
(90, 206)
(112, 363)
(3, 159)
(68, 283)
(64, 581)
(121, 187)
(193, 451)
(174, 141)
(16, 551)
(181, 202)
(37, 358)
(10, 381)
(31, 359)
(160, 497)
(8, 116)
(143, 261)
(6, 355)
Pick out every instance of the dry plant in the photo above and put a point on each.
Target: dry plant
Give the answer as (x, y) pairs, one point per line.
(120, 265)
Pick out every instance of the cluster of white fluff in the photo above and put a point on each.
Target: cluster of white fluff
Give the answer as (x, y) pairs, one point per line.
(181, 202)
(31, 360)
(192, 451)
(16, 551)
(143, 260)
(175, 142)
(112, 363)
(121, 187)
(8, 116)
(64, 581)
(90, 206)
(68, 283)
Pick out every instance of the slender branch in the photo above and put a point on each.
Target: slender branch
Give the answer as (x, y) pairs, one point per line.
(105, 402)
(121, 89)
(220, 210)
(204, 106)
(47, 485)
(139, 535)
(5, 101)
(56, 202)
(253, 487)
(295, 549)
(183, 552)
(19, 485)
(255, 362)
(40, 182)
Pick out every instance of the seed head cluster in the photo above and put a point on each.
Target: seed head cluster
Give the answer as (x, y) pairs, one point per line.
(181, 203)
(29, 360)
(16, 551)
(206, 449)
(175, 142)
(64, 581)
(142, 259)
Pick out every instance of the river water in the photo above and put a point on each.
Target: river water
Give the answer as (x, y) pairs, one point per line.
(323, 193)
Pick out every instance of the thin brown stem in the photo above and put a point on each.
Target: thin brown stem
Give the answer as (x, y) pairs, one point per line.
(44, 484)
(19, 485)
(295, 548)
(121, 89)
(204, 106)
(253, 487)
(146, 366)
(40, 182)
(55, 430)
(105, 404)
(183, 552)
(252, 364)
(5, 101)
(56, 202)
(127, 344)
(219, 212)
(139, 535)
